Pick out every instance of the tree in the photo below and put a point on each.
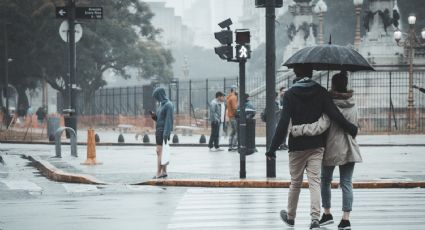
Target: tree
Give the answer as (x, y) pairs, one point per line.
(124, 40)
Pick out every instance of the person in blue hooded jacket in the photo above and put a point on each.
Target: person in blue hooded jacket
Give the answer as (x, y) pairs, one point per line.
(164, 125)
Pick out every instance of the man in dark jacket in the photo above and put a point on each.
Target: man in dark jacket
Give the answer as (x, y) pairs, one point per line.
(304, 103)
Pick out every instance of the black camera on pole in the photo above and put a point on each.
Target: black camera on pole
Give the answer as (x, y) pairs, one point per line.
(225, 37)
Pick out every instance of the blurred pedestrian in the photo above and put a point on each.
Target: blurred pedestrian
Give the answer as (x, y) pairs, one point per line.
(215, 118)
(164, 118)
(41, 115)
(250, 110)
(419, 88)
(232, 106)
(304, 103)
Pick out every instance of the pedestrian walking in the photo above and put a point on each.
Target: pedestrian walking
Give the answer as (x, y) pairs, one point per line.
(419, 88)
(250, 110)
(164, 118)
(304, 103)
(232, 106)
(341, 150)
(215, 118)
(41, 115)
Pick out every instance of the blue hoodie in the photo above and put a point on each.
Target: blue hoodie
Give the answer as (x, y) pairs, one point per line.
(164, 113)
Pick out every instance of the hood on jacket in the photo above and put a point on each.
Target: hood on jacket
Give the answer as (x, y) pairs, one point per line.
(305, 88)
(159, 94)
(343, 100)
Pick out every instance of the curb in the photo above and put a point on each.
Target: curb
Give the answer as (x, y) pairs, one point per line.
(275, 184)
(55, 174)
(186, 144)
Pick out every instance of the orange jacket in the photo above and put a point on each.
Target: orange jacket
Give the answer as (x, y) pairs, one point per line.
(232, 105)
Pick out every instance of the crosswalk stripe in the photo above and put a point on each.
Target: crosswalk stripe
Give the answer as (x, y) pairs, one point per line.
(80, 188)
(22, 185)
(231, 208)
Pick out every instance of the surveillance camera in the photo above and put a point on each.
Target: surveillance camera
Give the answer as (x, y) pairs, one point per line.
(226, 23)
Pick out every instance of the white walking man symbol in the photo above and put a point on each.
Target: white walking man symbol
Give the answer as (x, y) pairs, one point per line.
(243, 52)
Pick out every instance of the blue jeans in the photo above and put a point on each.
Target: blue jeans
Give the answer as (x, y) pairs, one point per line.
(345, 182)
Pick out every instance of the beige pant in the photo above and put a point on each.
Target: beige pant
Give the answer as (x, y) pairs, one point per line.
(311, 161)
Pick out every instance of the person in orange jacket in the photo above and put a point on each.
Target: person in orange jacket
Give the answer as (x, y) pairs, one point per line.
(232, 106)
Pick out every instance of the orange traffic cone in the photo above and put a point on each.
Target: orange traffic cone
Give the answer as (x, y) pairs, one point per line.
(91, 148)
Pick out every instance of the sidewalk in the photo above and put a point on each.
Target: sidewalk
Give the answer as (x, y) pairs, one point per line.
(137, 164)
(110, 137)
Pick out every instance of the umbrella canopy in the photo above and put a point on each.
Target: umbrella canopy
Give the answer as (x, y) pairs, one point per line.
(329, 57)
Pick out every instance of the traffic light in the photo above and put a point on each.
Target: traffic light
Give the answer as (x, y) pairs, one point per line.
(243, 36)
(224, 52)
(225, 37)
(243, 49)
(262, 3)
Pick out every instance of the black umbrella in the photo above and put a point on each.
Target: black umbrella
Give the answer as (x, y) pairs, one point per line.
(329, 57)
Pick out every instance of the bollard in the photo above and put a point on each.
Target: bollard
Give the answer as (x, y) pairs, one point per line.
(91, 148)
(96, 138)
(146, 138)
(175, 139)
(58, 143)
(202, 140)
(120, 138)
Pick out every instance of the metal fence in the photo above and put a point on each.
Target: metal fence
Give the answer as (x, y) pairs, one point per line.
(381, 98)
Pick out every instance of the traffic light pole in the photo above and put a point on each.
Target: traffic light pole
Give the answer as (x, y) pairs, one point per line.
(242, 119)
(72, 67)
(270, 82)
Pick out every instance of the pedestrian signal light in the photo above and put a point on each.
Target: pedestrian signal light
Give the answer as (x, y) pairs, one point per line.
(243, 52)
(243, 36)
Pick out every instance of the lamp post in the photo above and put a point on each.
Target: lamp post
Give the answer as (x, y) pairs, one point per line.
(358, 8)
(320, 9)
(410, 43)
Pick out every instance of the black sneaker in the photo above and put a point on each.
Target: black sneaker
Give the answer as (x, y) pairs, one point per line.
(314, 224)
(284, 216)
(344, 225)
(326, 219)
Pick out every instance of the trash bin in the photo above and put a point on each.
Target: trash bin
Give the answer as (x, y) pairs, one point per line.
(250, 136)
(53, 124)
(70, 121)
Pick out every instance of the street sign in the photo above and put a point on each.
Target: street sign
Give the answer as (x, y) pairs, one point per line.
(64, 28)
(89, 12)
(61, 12)
(81, 12)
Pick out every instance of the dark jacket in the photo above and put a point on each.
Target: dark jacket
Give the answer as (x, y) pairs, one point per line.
(164, 113)
(304, 103)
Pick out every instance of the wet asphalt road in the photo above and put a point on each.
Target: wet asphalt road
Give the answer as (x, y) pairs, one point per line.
(29, 201)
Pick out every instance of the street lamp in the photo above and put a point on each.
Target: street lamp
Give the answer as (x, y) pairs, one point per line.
(358, 7)
(410, 42)
(320, 9)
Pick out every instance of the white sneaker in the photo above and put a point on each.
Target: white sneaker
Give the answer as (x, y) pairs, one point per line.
(212, 149)
(219, 149)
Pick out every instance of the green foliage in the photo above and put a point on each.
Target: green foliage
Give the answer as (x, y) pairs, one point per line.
(124, 40)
